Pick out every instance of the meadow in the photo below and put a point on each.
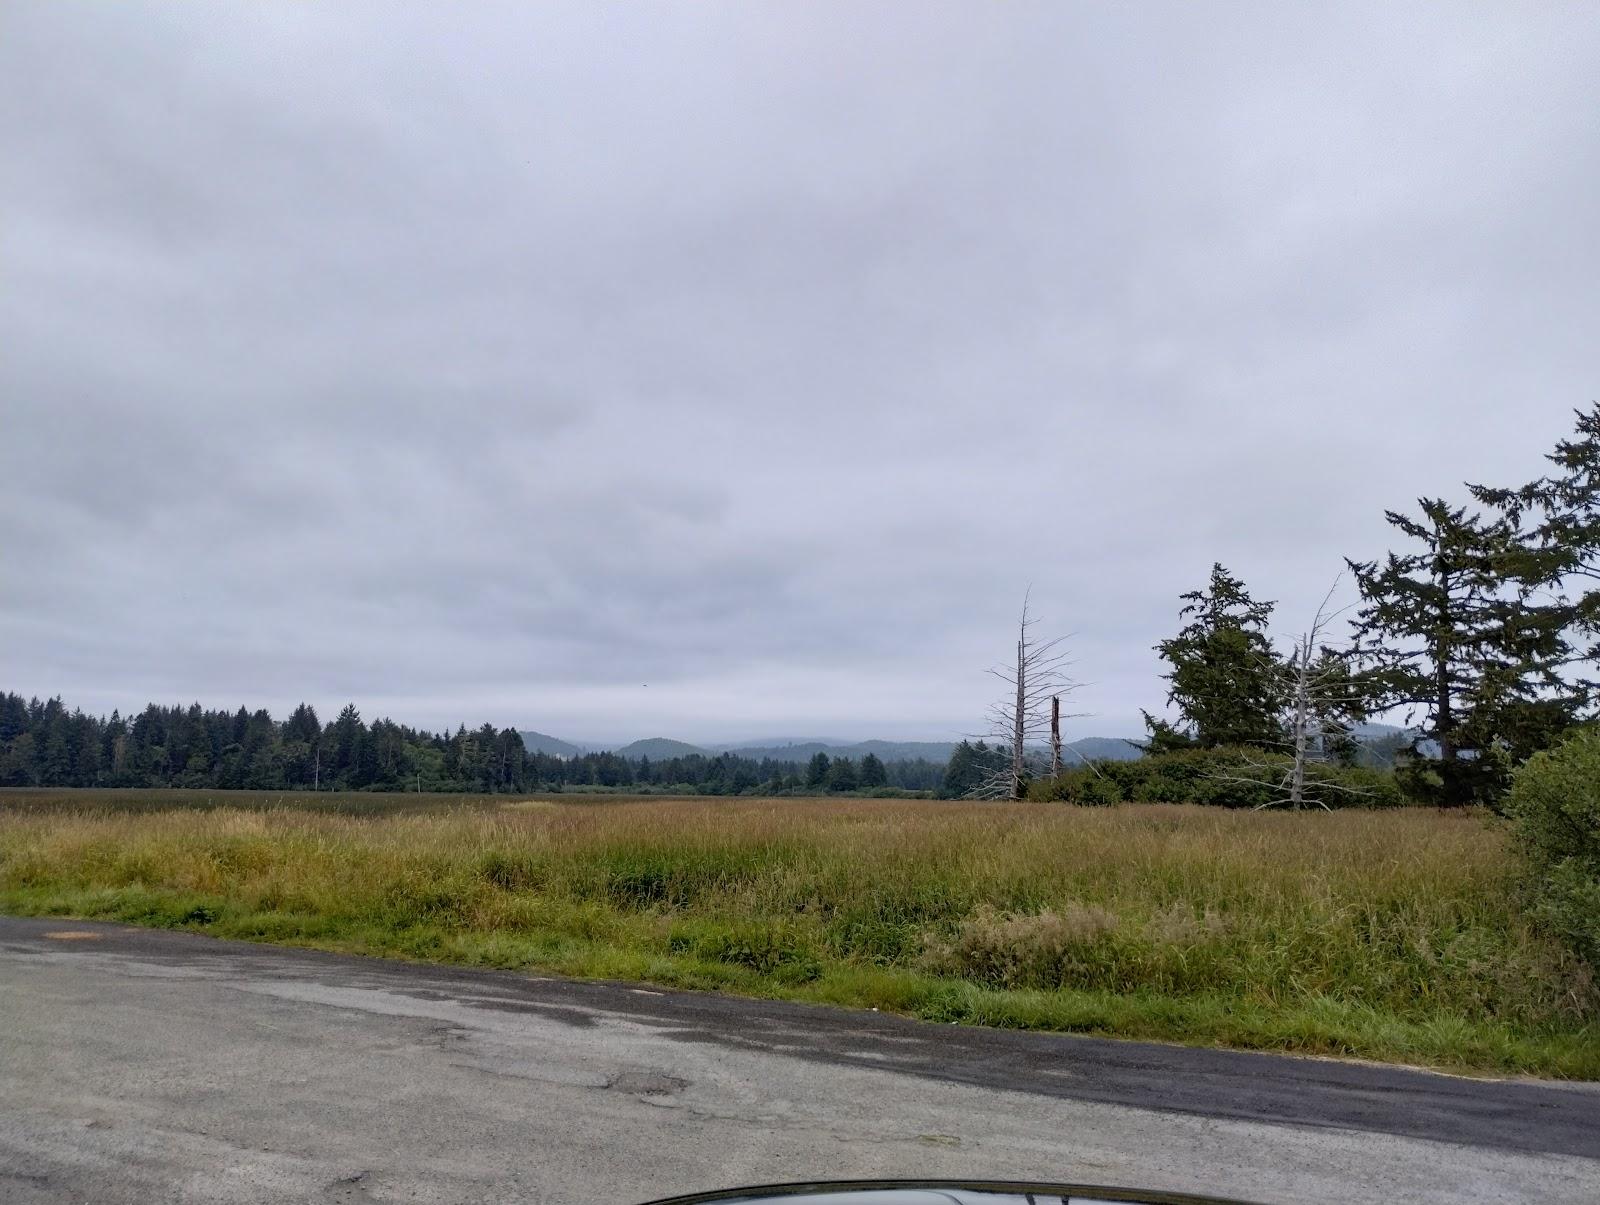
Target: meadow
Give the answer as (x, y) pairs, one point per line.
(1397, 935)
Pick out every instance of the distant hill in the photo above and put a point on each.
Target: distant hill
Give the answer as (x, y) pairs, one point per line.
(780, 742)
(937, 751)
(659, 748)
(782, 750)
(1379, 744)
(901, 750)
(539, 742)
(1373, 731)
(1105, 748)
(1089, 748)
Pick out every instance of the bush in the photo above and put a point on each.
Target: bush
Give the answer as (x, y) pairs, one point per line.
(1554, 806)
(1232, 778)
(1083, 785)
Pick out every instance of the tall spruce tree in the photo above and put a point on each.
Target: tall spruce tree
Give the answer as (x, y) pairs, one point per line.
(1454, 632)
(1558, 520)
(1226, 680)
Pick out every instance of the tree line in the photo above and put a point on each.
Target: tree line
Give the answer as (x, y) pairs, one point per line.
(1481, 633)
(42, 743)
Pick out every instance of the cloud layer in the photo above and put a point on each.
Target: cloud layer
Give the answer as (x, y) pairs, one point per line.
(725, 371)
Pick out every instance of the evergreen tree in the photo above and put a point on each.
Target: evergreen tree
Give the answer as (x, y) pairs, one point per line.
(971, 765)
(842, 775)
(303, 725)
(1451, 631)
(56, 765)
(1557, 518)
(1225, 680)
(872, 772)
(817, 770)
(349, 737)
(14, 716)
(17, 768)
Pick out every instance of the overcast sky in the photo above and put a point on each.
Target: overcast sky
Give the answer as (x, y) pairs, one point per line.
(730, 371)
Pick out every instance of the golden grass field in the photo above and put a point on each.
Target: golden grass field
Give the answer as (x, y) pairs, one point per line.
(1394, 935)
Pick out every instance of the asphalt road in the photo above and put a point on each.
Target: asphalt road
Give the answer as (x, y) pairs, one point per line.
(143, 1066)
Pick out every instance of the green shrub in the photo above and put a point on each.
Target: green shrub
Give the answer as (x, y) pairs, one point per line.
(1083, 785)
(1231, 778)
(1554, 806)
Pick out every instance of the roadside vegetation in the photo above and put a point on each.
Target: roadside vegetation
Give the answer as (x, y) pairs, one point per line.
(1393, 935)
(1554, 805)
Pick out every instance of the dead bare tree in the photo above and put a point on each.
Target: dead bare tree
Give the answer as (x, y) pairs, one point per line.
(1322, 699)
(1030, 711)
(1055, 735)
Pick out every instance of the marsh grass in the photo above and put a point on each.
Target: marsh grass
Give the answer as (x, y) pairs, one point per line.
(1393, 935)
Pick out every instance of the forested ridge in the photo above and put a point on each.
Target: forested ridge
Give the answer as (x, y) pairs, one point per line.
(42, 743)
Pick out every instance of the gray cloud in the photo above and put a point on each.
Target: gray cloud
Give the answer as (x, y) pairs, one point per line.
(493, 362)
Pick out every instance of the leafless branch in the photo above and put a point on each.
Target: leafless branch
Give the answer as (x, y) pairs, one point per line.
(1021, 720)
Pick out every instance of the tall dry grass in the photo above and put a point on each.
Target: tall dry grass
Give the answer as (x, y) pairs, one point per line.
(1391, 934)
